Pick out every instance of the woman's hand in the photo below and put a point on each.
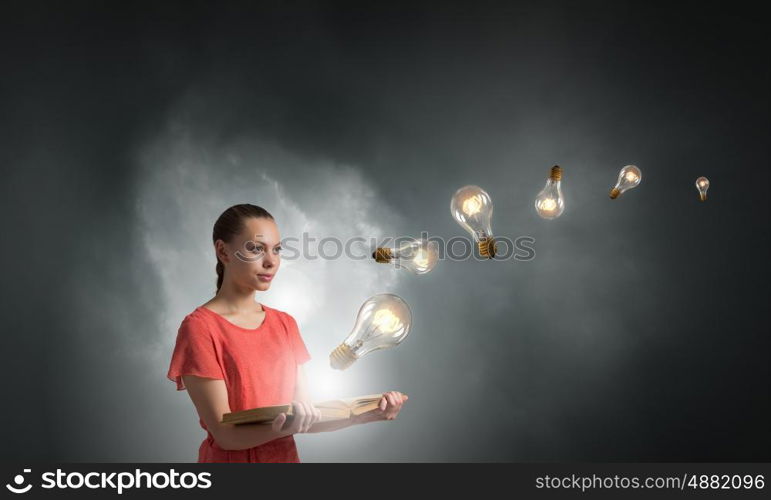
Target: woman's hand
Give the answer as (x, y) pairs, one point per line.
(304, 416)
(388, 408)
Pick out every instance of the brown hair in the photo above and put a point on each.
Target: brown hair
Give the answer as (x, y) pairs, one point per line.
(230, 223)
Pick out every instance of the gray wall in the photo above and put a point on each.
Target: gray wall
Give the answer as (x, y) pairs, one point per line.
(638, 332)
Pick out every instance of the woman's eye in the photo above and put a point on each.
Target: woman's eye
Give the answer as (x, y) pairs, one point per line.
(277, 250)
(258, 249)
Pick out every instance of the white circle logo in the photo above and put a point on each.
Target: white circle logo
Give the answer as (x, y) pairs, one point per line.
(19, 480)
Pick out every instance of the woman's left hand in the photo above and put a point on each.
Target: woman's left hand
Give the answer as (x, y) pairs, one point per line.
(390, 404)
(388, 407)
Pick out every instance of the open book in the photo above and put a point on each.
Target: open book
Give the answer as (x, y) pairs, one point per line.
(337, 409)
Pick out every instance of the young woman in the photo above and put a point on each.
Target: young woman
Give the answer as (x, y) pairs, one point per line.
(233, 353)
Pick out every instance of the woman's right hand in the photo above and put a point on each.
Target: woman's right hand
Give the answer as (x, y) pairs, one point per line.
(304, 416)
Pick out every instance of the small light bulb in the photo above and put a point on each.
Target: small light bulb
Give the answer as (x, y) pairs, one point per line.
(702, 184)
(418, 256)
(550, 203)
(472, 208)
(629, 177)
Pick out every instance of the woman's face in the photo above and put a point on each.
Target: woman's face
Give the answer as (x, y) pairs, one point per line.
(253, 256)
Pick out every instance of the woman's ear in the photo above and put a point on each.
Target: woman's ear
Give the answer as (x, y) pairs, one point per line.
(221, 251)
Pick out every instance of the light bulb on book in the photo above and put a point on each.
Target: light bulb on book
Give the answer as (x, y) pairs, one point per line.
(419, 256)
(472, 208)
(383, 322)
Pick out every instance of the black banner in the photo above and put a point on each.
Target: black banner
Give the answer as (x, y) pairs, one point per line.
(474, 480)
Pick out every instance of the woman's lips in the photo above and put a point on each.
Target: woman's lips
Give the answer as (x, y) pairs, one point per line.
(265, 277)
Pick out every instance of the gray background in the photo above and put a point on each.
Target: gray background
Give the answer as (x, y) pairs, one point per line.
(639, 331)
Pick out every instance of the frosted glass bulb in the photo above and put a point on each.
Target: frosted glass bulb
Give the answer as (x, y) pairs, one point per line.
(383, 322)
(702, 184)
(629, 177)
(550, 203)
(472, 208)
(419, 256)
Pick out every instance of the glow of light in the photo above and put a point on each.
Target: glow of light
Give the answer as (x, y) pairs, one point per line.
(630, 176)
(472, 205)
(548, 205)
(386, 321)
(421, 258)
(326, 383)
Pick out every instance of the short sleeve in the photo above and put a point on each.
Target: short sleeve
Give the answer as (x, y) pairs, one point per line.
(299, 349)
(194, 353)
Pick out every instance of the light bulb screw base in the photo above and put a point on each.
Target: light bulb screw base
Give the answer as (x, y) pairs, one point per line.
(487, 247)
(703, 196)
(556, 173)
(383, 255)
(342, 357)
(614, 193)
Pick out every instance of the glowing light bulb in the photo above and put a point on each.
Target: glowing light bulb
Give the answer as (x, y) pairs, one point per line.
(472, 207)
(383, 322)
(702, 184)
(419, 256)
(550, 203)
(629, 177)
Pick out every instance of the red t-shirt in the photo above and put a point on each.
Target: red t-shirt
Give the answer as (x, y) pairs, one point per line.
(258, 365)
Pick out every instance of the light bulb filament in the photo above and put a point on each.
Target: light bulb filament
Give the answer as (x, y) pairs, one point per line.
(386, 321)
(548, 204)
(631, 176)
(421, 258)
(472, 206)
